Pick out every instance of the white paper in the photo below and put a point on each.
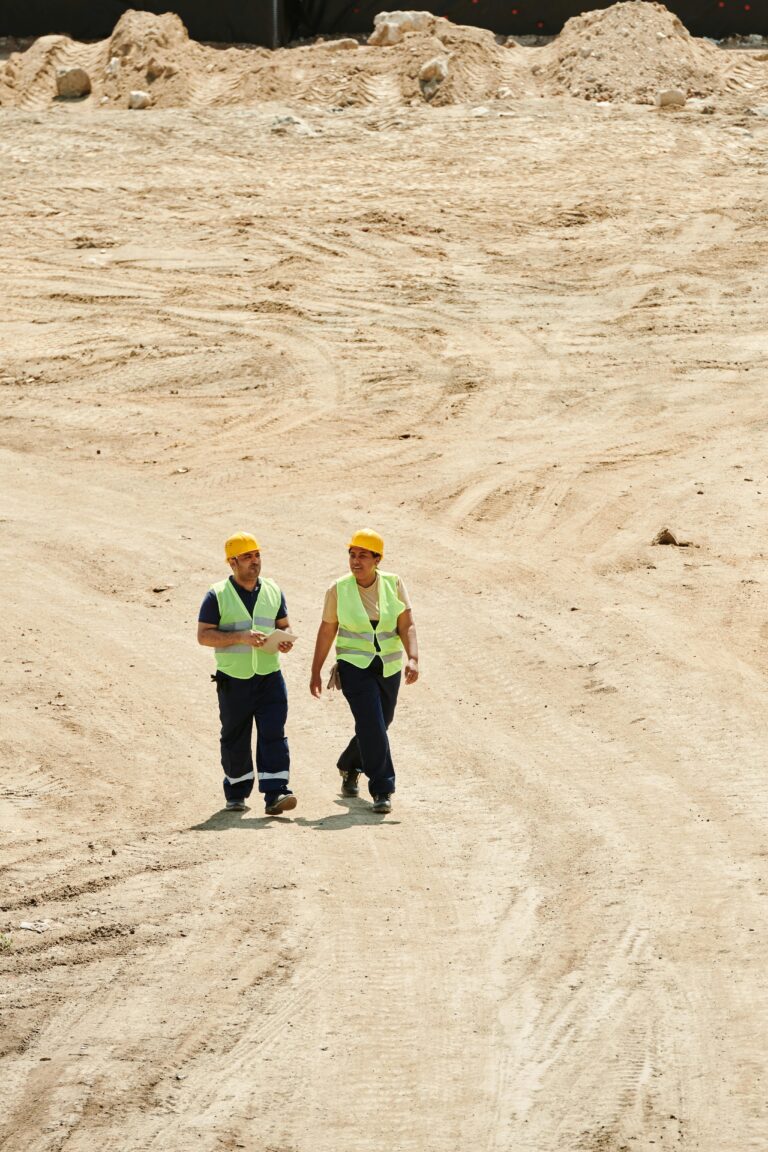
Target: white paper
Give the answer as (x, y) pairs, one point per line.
(275, 638)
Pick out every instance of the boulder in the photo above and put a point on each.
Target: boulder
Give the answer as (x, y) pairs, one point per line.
(72, 83)
(390, 27)
(670, 98)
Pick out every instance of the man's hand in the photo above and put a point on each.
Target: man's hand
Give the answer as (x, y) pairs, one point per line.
(411, 671)
(316, 685)
(256, 639)
(285, 646)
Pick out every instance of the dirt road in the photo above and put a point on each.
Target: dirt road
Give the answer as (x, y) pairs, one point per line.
(519, 343)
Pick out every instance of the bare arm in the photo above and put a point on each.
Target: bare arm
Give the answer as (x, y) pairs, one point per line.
(326, 634)
(406, 630)
(212, 637)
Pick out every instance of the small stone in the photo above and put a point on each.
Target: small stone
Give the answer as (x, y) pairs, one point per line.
(138, 99)
(665, 536)
(113, 67)
(431, 75)
(346, 45)
(670, 98)
(282, 125)
(72, 83)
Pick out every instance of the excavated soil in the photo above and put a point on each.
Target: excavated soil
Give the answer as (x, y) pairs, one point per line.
(523, 335)
(624, 53)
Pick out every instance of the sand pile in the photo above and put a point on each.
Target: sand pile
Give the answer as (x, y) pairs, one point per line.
(628, 52)
(26, 73)
(345, 74)
(472, 60)
(439, 62)
(145, 53)
(152, 54)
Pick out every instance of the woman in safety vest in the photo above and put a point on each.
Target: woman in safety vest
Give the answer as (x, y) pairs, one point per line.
(369, 614)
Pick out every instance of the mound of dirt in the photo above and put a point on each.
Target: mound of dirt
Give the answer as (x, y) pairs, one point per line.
(343, 74)
(474, 63)
(150, 53)
(628, 52)
(24, 72)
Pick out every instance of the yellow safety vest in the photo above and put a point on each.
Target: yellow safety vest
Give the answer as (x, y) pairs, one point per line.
(241, 660)
(354, 639)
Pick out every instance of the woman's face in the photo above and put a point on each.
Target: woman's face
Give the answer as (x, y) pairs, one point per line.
(363, 565)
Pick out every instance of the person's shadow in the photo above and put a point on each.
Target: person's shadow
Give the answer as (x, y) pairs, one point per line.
(228, 821)
(354, 816)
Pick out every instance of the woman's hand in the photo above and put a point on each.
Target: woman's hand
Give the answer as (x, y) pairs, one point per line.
(412, 670)
(316, 685)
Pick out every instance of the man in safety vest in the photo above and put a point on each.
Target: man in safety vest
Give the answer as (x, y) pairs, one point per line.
(236, 617)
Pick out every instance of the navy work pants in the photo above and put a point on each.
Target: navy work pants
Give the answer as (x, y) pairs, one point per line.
(262, 700)
(372, 696)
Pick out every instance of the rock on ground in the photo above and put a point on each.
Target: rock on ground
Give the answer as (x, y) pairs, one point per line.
(72, 83)
(431, 76)
(390, 27)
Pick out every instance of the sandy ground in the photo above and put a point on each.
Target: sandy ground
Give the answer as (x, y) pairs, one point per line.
(519, 342)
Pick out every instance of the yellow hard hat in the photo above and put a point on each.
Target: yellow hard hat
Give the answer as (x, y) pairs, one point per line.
(239, 543)
(367, 538)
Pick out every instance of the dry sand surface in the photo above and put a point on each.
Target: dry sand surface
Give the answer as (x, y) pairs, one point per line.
(519, 338)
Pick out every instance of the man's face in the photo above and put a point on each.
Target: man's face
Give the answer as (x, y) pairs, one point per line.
(246, 567)
(363, 564)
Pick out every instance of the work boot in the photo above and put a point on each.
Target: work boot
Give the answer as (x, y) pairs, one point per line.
(382, 804)
(236, 805)
(277, 803)
(349, 783)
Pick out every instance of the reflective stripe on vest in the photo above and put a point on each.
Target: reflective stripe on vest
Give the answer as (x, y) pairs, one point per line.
(241, 660)
(238, 626)
(348, 634)
(355, 637)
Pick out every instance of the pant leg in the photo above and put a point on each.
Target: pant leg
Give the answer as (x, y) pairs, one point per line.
(373, 706)
(350, 759)
(270, 713)
(389, 687)
(236, 715)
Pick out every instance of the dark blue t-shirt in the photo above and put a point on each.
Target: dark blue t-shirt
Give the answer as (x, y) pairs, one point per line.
(209, 609)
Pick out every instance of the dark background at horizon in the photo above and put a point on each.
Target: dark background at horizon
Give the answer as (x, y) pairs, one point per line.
(274, 22)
